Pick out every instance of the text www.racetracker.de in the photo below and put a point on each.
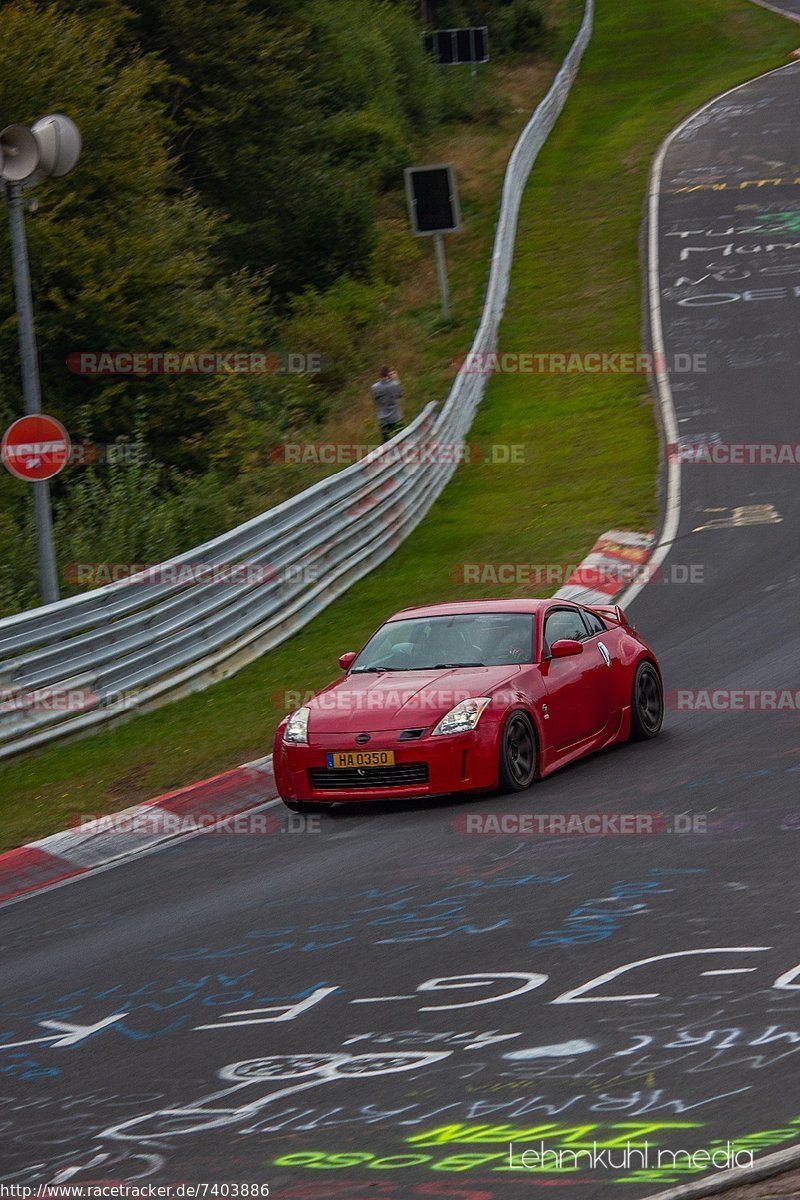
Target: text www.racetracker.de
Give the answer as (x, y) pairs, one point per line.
(132, 1191)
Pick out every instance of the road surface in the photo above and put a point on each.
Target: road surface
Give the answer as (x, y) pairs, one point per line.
(379, 1007)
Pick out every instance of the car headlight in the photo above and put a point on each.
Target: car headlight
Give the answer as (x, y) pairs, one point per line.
(296, 731)
(463, 717)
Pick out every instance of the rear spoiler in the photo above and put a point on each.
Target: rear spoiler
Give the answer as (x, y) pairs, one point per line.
(610, 612)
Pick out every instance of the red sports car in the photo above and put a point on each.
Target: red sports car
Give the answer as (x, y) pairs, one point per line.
(470, 697)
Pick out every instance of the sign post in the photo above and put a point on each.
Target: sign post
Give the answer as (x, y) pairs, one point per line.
(50, 147)
(441, 267)
(454, 47)
(48, 578)
(432, 198)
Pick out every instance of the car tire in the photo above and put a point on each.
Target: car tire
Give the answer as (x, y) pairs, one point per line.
(647, 703)
(517, 753)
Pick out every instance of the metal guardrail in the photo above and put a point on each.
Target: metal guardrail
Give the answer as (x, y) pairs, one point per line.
(88, 660)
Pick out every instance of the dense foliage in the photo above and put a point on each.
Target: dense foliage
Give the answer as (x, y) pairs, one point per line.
(227, 198)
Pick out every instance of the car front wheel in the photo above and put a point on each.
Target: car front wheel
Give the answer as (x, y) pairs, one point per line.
(517, 754)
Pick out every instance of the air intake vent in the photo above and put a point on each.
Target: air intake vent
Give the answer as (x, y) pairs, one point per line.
(402, 775)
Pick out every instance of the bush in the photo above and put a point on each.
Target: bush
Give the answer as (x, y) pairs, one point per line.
(396, 251)
(370, 141)
(330, 323)
(418, 82)
(520, 28)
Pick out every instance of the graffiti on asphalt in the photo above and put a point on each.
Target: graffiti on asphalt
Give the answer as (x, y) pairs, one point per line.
(383, 917)
(220, 1110)
(482, 988)
(590, 1137)
(600, 917)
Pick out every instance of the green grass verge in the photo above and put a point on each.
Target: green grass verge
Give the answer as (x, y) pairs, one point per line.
(593, 459)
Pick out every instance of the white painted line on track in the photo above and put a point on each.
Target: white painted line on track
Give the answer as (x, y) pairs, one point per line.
(780, 11)
(664, 397)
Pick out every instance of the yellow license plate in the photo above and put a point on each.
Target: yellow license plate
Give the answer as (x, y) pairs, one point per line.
(342, 759)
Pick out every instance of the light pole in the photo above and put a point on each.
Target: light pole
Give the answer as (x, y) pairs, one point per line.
(50, 147)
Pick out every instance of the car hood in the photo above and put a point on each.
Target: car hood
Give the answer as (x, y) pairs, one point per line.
(400, 699)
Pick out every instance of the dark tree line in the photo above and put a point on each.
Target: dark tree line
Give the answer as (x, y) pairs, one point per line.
(235, 159)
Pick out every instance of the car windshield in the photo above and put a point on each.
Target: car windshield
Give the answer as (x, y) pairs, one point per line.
(464, 640)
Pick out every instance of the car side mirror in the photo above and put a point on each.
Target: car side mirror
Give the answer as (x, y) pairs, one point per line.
(346, 660)
(565, 648)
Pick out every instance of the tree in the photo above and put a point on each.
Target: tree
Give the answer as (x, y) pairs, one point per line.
(122, 258)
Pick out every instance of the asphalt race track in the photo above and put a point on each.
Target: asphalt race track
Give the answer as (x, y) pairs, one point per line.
(789, 8)
(378, 1007)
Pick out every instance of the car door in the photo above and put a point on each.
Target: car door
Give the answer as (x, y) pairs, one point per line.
(577, 688)
(603, 662)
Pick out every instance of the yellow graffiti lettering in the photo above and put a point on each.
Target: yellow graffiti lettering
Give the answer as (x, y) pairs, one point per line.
(623, 1133)
(464, 1162)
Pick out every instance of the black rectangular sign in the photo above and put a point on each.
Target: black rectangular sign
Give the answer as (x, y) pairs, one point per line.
(452, 47)
(432, 198)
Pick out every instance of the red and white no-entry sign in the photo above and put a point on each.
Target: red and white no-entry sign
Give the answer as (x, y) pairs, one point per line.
(35, 448)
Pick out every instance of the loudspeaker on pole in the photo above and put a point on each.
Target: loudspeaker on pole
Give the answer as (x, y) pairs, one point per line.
(19, 153)
(59, 142)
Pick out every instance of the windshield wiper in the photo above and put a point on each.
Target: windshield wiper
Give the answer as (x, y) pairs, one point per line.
(450, 666)
(375, 670)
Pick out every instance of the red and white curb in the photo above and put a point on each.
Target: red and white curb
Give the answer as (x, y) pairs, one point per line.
(103, 841)
(617, 558)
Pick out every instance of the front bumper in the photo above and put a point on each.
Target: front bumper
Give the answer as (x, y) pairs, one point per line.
(455, 763)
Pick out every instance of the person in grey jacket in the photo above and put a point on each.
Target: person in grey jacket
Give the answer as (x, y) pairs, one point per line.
(387, 393)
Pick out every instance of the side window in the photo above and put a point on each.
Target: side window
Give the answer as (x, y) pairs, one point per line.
(593, 622)
(563, 623)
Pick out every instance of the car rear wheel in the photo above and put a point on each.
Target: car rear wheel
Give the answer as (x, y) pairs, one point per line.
(647, 703)
(517, 754)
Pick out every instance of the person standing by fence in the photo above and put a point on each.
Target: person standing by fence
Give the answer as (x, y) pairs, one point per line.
(387, 394)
